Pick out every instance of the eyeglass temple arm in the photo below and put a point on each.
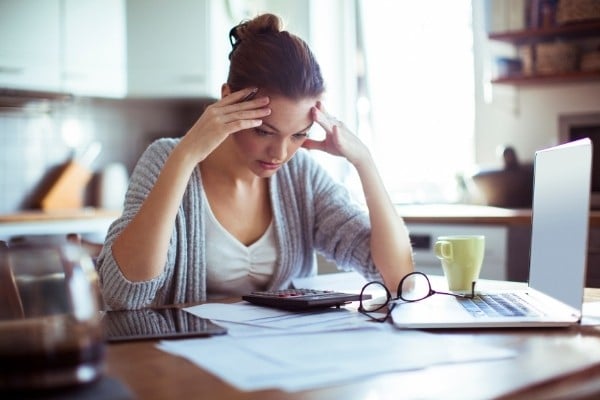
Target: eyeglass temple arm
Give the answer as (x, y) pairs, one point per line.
(469, 295)
(473, 289)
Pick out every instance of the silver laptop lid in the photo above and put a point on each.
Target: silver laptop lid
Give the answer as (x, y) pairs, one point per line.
(559, 237)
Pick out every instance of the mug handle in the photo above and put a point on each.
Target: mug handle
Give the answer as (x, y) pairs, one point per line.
(443, 249)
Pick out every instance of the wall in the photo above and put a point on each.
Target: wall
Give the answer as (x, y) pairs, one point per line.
(33, 144)
(526, 116)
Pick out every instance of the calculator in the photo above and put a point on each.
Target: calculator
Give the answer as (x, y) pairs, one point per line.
(301, 299)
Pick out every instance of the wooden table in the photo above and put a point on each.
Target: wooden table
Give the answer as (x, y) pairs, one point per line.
(553, 363)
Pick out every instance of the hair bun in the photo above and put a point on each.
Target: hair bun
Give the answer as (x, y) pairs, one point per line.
(266, 56)
(262, 24)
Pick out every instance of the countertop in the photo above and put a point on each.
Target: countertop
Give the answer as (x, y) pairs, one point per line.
(58, 215)
(413, 213)
(91, 222)
(463, 214)
(472, 214)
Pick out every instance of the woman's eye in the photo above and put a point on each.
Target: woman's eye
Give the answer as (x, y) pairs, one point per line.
(261, 132)
(300, 136)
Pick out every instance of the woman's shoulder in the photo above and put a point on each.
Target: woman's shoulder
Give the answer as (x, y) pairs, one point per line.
(160, 149)
(155, 155)
(164, 144)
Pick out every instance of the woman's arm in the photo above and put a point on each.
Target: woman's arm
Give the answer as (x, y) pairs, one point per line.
(390, 244)
(141, 248)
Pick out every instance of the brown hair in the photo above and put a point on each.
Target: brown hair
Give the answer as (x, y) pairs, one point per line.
(272, 59)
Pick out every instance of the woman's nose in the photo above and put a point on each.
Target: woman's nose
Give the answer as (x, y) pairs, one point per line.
(278, 150)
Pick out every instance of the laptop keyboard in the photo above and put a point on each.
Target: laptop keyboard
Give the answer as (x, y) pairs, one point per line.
(499, 305)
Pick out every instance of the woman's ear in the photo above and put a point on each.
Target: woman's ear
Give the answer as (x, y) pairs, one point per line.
(225, 90)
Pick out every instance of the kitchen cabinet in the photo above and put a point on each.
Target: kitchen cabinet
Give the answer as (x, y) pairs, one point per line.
(93, 48)
(75, 46)
(115, 48)
(574, 33)
(593, 261)
(176, 49)
(30, 44)
(423, 237)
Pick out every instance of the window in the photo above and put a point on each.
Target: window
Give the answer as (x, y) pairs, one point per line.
(416, 95)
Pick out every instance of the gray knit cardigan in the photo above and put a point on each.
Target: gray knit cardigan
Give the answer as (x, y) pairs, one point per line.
(311, 213)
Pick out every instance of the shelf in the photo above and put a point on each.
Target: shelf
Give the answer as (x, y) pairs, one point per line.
(580, 30)
(570, 77)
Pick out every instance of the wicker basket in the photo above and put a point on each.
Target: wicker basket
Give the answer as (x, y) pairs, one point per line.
(556, 58)
(590, 61)
(570, 11)
(526, 54)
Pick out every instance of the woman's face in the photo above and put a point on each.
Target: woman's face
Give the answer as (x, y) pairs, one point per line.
(267, 147)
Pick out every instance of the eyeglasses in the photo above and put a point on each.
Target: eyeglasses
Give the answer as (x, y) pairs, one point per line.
(415, 286)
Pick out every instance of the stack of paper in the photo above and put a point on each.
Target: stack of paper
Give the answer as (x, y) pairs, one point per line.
(274, 349)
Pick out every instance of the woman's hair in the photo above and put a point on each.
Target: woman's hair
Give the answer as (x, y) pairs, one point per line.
(272, 59)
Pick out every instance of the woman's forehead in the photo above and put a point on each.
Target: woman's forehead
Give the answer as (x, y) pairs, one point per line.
(290, 115)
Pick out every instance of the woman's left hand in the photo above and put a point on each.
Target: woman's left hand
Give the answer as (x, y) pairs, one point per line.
(338, 141)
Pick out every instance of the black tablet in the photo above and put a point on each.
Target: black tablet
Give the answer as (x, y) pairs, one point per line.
(157, 323)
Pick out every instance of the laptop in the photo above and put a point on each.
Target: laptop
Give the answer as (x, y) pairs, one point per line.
(554, 294)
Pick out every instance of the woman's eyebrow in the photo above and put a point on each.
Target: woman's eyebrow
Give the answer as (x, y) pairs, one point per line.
(277, 130)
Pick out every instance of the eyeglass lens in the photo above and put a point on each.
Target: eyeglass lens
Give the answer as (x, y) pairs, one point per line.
(414, 287)
(374, 296)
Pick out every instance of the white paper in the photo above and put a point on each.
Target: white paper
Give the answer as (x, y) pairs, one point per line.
(295, 362)
(245, 319)
(268, 348)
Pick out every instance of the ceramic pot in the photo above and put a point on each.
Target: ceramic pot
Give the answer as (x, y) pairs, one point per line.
(510, 186)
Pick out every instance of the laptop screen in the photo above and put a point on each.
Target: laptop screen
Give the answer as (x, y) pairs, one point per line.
(559, 236)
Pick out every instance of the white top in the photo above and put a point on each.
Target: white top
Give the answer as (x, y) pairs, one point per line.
(232, 268)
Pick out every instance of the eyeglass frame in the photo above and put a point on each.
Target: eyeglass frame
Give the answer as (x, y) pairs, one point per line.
(399, 296)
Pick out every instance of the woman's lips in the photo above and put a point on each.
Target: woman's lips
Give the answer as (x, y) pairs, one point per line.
(269, 165)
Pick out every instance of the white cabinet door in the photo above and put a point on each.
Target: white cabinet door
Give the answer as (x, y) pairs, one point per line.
(168, 46)
(29, 44)
(94, 48)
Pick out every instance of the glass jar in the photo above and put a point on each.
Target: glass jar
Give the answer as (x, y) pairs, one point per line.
(51, 335)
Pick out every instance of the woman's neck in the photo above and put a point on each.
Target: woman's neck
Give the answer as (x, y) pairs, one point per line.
(224, 167)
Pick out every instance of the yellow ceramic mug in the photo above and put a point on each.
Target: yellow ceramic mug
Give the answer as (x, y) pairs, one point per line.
(461, 256)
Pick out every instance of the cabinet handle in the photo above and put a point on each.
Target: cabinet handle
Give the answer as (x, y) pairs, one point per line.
(191, 78)
(11, 70)
(73, 76)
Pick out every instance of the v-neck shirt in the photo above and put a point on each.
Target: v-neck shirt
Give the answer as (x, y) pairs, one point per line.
(232, 268)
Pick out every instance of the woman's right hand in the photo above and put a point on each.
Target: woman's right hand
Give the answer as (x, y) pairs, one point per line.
(229, 115)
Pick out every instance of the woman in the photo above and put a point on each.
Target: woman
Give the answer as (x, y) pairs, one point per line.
(236, 205)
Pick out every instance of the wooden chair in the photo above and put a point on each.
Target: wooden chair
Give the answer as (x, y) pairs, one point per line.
(11, 306)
